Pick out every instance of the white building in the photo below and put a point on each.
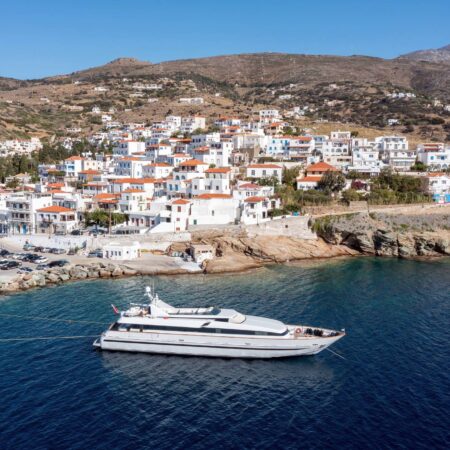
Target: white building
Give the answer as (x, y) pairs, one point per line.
(56, 219)
(434, 155)
(437, 184)
(22, 211)
(128, 148)
(119, 251)
(269, 115)
(257, 171)
(190, 124)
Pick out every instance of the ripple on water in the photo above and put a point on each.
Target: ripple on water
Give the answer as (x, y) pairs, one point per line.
(391, 391)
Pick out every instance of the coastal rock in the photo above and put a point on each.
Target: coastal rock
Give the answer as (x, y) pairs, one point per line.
(127, 271)
(53, 277)
(103, 273)
(406, 246)
(443, 246)
(385, 243)
(64, 276)
(39, 279)
(78, 273)
(117, 272)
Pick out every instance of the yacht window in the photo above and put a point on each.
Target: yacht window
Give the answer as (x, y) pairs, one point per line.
(207, 330)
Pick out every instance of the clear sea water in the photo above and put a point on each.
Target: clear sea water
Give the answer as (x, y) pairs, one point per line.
(391, 391)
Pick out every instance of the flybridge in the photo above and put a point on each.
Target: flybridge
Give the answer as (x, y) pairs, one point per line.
(159, 309)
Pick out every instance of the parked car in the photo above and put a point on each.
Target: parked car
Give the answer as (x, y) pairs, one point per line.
(4, 252)
(41, 260)
(46, 250)
(27, 247)
(72, 251)
(58, 263)
(25, 270)
(31, 257)
(10, 265)
(77, 232)
(57, 251)
(16, 256)
(42, 267)
(38, 249)
(98, 253)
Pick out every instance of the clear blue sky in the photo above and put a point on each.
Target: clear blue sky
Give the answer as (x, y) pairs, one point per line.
(49, 37)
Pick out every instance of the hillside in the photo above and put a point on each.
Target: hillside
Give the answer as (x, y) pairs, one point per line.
(353, 89)
(437, 55)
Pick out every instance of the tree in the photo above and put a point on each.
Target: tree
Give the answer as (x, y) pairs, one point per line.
(350, 195)
(419, 167)
(13, 183)
(290, 175)
(332, 182)
(268, 181)
(101, 217)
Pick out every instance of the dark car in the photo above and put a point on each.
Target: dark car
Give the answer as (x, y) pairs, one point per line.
(38, 249)
(57, 251)
(76, 232)
(42, 266)
(4, 252)
(11, 265)
(58, 263)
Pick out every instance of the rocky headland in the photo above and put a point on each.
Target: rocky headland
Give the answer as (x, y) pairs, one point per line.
(346, 235)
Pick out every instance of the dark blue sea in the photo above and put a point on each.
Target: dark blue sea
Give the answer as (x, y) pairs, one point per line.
(392, 390)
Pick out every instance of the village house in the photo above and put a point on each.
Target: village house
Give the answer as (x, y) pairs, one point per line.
(258, 171)
(55, 220)
(313, 174)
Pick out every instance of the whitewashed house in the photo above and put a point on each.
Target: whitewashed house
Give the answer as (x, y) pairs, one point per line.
(257, 171)
(122, 251)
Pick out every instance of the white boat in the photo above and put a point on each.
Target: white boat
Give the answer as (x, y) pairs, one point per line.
(157, 327)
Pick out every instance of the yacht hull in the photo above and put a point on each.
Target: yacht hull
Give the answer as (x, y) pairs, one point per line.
(217, 347)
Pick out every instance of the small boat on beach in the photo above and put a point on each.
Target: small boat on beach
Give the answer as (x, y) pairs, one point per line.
(157, 327)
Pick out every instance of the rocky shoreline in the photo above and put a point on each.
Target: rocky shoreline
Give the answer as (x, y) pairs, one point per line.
(357, 234)
(79, 272)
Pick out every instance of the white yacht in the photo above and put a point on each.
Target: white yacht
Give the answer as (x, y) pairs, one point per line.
(157, 327)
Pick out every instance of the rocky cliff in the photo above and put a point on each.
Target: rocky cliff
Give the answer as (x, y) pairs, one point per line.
(382, 234)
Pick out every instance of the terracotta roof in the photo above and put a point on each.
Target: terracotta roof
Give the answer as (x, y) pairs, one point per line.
(133, 191)
(321, 167)
(219, 170)
(310, 178)
(249, 186)
(180, 201)
(90, 172)
(193, 163)
(254, 199)
(105, 196)
(437, 174)
(158, 165)
(264, 166)
(211, 196)
(55, 209)
(130, 158)
(55, 185)
(75, 158)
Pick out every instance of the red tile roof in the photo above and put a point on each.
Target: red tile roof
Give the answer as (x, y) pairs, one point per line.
(264, 166)
(254, 199)
(219, 170)
(211, 196)
(55, 209)
(193, 163)
(321, 167)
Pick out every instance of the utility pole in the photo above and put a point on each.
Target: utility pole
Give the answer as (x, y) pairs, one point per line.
(110, 217)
